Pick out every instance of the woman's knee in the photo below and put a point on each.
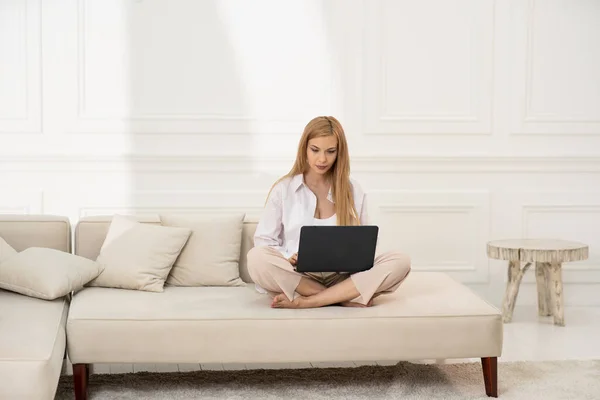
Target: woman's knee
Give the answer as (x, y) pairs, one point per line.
(255, 254)
(257, 259)
(403, 264)
(399, 264)
(261, 259)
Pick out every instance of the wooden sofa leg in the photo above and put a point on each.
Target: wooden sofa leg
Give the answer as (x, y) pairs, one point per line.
(81, 375)
(490, 375)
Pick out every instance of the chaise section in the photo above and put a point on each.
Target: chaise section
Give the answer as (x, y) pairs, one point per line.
(32, 345)
(32, 330)
(431, 317)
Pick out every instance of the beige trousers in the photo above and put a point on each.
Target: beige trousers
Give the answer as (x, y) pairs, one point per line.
(269, 269)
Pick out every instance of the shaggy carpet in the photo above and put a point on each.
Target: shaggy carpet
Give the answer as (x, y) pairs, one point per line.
(516, 380)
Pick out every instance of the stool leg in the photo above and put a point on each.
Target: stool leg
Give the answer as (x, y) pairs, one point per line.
(556, 293)
(515, 274)
(542, 272)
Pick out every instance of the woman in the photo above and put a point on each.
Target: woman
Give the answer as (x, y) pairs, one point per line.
(317, 191)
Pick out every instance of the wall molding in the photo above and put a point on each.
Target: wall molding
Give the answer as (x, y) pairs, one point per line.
(22, 202)
(252, 212)
(85, 121)
(390, 164)
(211, 202)
(585, 265)
(467, 266)
(477, 120)
(31, 120)
(461, 218)
(523, 121)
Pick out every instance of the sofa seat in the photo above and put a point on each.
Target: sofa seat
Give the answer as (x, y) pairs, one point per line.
(32, 345)
(430, 316)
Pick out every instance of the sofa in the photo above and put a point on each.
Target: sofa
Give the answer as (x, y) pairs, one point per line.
(32, 330)
(430, 316)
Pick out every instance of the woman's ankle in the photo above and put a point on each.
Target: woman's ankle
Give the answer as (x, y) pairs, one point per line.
(309, 287)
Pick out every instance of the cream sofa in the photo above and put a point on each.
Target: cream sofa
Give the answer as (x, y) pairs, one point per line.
(431, 316)
(32, 330)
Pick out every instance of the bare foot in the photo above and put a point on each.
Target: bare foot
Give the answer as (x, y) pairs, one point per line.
(281, 301)
(354, 304)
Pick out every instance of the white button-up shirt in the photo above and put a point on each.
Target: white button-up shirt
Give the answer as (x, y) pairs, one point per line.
(290, 206)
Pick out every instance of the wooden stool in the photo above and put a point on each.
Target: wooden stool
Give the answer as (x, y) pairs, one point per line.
(548, 256)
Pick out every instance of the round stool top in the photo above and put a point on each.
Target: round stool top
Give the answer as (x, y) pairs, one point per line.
(540, 250)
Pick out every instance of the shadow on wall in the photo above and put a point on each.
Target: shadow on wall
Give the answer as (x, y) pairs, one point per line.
(188, 100)
(222, 91)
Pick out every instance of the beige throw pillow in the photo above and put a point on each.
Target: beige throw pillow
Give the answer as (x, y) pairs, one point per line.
(6, 250)
(46, 273)
(211, 255)
(138, 256)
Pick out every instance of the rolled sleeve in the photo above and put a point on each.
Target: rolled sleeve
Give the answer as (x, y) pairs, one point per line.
(269, 228)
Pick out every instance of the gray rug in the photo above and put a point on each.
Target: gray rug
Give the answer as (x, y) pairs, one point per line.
(519, 380)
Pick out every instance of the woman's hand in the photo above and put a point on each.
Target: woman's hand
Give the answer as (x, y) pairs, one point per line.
(293, 259)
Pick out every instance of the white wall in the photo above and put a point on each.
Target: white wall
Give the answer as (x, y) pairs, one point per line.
(467, 120)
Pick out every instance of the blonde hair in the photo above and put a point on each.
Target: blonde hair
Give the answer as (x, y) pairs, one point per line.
(341, 189)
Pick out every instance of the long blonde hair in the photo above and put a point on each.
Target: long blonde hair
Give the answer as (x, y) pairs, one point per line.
(341, 189)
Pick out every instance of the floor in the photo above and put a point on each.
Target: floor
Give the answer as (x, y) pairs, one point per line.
(532, 338)
(527, 338)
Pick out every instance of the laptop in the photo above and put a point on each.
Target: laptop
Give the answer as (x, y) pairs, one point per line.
(342, 249)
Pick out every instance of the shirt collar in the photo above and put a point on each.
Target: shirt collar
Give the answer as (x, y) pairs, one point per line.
(298, 181)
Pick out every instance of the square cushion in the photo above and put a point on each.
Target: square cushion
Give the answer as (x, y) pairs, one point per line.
(36, 230)
(46, 273)
(211, 255)
(138, 256)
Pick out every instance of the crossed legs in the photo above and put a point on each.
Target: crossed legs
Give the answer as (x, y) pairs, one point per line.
(290, 289)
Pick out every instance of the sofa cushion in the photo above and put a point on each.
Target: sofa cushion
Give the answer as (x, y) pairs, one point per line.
(429, 316)
(212, 253)
(138, 256)
(91, 232)
(6, 250)
(23, 231)
(32, 345)
(46, 273)
(247, 244)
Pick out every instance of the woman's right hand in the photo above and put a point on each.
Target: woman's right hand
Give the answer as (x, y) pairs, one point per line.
(293, 259)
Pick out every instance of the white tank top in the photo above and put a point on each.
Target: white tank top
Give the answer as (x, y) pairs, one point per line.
(326, 221)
